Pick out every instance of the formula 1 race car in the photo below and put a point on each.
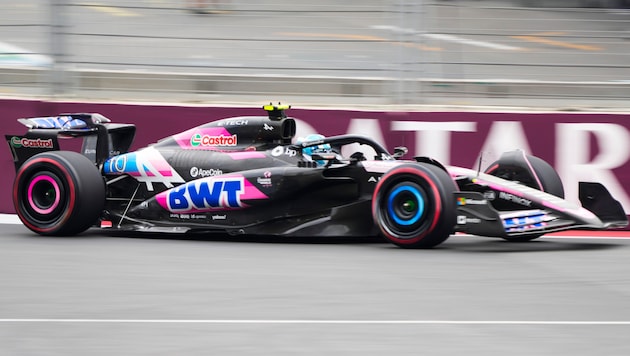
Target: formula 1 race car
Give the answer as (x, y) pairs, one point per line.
(250, 176)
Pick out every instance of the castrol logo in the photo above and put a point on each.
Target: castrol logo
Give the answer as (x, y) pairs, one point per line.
(199, 140)
(31, 142)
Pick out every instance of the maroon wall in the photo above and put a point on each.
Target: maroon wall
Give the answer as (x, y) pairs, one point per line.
(582, 146)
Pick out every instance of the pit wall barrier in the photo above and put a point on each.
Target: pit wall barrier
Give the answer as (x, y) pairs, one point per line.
(581, 146)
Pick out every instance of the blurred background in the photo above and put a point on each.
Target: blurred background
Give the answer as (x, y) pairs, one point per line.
(381, 65)
(481, 52)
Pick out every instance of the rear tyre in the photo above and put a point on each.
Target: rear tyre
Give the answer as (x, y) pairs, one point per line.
(414, 206)
(531, 171)
(58, 193)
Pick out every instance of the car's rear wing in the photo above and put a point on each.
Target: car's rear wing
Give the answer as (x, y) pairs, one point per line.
(101, 138)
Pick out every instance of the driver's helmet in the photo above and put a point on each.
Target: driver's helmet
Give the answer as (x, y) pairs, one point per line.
(307, 152)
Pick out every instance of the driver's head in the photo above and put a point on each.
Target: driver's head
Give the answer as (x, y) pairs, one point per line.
(307, 152)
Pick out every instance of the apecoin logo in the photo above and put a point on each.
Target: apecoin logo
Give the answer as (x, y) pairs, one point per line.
(202, 173)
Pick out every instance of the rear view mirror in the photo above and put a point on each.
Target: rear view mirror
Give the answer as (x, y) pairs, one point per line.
(400, 151)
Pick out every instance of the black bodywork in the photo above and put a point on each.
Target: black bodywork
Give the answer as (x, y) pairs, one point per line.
(248, 176)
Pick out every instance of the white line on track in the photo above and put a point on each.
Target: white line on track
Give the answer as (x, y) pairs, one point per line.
(462, 40)
(308, 321)
(9, 219)
(447, 38)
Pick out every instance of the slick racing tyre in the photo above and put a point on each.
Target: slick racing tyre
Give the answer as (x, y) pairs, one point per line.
(414, 206)
(531, 171)
(58, 193)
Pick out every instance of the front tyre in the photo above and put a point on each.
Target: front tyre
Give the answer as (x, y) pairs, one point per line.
(58, 193)
(414, 206)
(530, 171)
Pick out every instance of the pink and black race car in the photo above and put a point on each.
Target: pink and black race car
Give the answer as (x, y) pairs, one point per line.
(249, 176)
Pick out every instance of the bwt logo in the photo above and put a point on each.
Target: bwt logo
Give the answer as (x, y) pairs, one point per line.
(206, 195)
(207, 140)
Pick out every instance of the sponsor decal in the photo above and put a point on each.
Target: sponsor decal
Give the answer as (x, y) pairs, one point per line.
(290, 152)
(206, 194)
(266, 181)
(19, 142)
(268, 127)
(312, 143)
(197, 172)
(524, 223)
(463, 220)
(239, 122)
(219, 217)
(188, 216)
(278, 151)
(515, 199)
(199, 140)
(209, 194)
(282, 150)
(463, 201)
(489, 195)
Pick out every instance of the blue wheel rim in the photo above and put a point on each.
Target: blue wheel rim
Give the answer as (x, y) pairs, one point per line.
(417, 202)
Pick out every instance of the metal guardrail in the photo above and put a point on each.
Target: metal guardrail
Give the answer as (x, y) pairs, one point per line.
(398, 51)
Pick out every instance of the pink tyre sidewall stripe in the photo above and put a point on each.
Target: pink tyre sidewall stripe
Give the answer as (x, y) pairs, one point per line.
(30, 194)
(71, 195)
